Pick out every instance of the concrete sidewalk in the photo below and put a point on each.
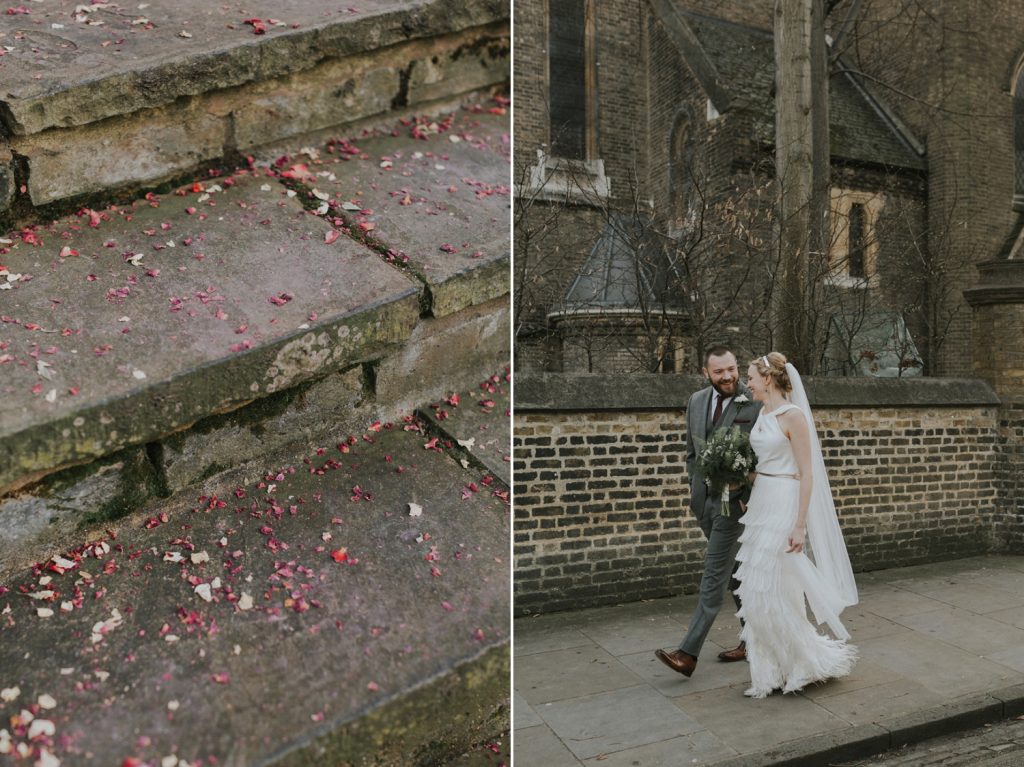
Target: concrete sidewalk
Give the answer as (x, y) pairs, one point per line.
(941, 647)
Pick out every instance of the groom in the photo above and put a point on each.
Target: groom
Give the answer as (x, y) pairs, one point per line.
(722, 405)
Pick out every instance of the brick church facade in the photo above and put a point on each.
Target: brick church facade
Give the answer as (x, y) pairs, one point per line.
(644, 135)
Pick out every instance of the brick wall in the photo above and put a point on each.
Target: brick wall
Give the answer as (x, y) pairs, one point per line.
(920, 472)
(1009, 531)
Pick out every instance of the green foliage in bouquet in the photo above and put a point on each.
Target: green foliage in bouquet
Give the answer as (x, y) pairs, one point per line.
(727, 458)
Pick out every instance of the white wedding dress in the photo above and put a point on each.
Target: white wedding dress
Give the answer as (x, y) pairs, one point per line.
(784, 649)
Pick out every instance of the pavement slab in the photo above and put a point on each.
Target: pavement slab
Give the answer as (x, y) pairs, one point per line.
(977, 634)
(629, 634)
(525, 716)
(938, 666)
(138, 320)
(879, 703)
(308, 617)
(778, 719)
(539, 745)
(439, 205)
(563, 674)
(1012, 617)
(548, 638)
(671, 684)
(698, 748)
(70, 64)
(614, 721)
(926, 666)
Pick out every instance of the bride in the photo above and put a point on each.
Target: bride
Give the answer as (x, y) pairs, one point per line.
(791, 546)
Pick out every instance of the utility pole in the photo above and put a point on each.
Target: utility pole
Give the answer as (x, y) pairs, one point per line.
(802, 161)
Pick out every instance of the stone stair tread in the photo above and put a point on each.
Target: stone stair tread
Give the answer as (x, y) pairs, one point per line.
(64, 67)
(322, 662)
(479, 423)
(442, 201)
(241, 248)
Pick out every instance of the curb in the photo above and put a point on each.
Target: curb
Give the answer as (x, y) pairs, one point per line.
(862, 741)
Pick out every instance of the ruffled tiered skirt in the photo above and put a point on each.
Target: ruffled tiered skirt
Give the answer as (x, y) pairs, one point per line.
(784, 649)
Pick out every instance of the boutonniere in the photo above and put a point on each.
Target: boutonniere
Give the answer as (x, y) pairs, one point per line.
(741, 400)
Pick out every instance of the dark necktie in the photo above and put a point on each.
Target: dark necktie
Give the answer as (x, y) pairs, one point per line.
(718, 410)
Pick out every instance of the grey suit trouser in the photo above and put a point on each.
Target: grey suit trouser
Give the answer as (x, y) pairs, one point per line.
(719, 558)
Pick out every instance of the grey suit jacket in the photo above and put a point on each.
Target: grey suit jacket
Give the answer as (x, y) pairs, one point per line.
(736, 414)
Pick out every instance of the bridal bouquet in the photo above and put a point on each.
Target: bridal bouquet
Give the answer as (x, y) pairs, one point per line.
(725, 459)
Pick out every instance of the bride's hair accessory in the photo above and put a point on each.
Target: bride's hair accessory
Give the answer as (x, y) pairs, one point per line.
(824, 535)
(774, 366)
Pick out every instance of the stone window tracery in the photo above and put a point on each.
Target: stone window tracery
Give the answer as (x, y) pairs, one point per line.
(853, 246)
(1018, 140)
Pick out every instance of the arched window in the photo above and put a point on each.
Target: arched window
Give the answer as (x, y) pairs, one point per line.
(680, 171)
(572, 79)
(1018, 140)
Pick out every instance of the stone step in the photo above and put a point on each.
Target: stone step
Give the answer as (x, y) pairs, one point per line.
(147, 346)
(101, 98)
(348, 606)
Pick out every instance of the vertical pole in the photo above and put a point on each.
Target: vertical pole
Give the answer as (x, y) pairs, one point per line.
(802, 167)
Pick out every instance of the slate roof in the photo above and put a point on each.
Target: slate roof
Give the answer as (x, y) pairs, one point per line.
(625, 269)
(742, 64)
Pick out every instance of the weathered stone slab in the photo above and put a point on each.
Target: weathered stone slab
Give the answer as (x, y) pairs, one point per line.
(278, 109)
(144, 148)
(459, 65)
(337, 402)
(309, 619)
(177, 308)
(441, 204)
(464, 345)
(342, 91)
(50, 515)
(70, 67)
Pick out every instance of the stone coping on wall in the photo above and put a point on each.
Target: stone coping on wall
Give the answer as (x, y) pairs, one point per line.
(124, 324)
(595, 392)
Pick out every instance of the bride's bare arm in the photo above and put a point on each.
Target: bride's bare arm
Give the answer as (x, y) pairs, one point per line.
(795, 426)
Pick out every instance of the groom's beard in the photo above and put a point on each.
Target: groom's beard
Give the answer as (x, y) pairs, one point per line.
(726, 390)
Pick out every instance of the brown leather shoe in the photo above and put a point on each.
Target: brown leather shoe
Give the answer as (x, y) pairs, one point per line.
(731, 656)
(677, 660)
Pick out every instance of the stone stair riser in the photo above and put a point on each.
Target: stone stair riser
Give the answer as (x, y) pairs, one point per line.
(150, 146)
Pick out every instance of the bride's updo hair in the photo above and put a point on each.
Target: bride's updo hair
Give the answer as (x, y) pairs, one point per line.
(773, 365)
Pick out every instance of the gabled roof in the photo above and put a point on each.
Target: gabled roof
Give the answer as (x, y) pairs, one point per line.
(737, 63)
(625, 271)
